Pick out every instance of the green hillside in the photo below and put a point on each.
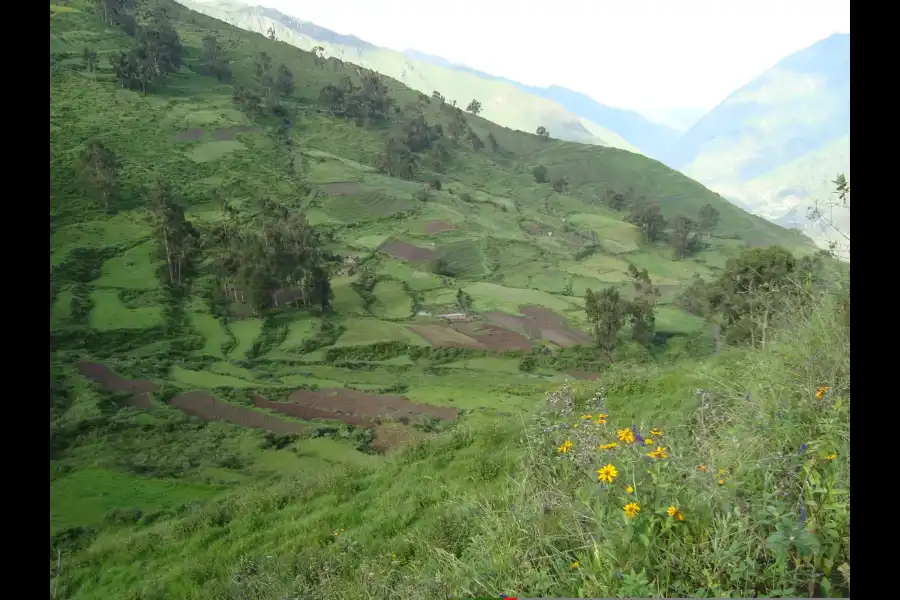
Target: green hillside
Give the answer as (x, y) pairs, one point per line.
(502, 102)
(305, 321)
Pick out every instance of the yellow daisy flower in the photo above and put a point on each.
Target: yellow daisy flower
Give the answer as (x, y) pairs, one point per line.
(607, 474)
(609, 446)
(831, 457)
(672, 510)
(625, 435)
(601, 419)
(632, 509)
(679, 516)
(821, 392)
(649, 441)
(703, 468)
(565, 447)
(629, 489)
(587, 417)
(721, 482)
(656, 432)
(659, 453)
(574, 565)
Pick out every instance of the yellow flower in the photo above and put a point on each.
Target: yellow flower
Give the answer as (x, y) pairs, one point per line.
(565, 447)
(703, 468)
(601, 419)
(679, 516)
(659, 453)
(574, 565)
(632, 509)
(721, 482)
(609, 446)
(587, 417)
(649, 441)
(607, 474)
(629, 489)
(831, 457)
(625, 435)
(575, 426)
(821, 392)
(338, 532)
(656, 432)
(672, 510)
(723, 471)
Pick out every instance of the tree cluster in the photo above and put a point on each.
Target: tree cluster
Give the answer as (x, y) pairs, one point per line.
(215, 63)
(412, 143)
(275, 251)
(608, 312)
(365, 104)
(157, 52)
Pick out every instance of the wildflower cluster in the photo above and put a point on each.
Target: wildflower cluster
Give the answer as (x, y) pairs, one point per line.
(609, 453)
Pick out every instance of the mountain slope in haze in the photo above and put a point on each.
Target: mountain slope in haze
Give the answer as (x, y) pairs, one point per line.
(654, 139)
(502, 102)
(777, 142)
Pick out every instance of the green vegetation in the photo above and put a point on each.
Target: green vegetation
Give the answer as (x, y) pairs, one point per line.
(357, 442)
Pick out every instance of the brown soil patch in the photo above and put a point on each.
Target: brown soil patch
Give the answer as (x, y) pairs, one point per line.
(224, 134)
(495, 338)
(515, 322)
(111, 382)
(405, 251)
(535, 228)
(441, 336)
(342, 188)
(208, 408)
(368, 406)
(308, 414)
(586, 375)
(438, 226)
(548, 320)
(189, 135)
(394, 436)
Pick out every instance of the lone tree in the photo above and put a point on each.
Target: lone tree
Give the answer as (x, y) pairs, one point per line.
(463, 301)
(438, 96)
(709, 218)
(752, 290)
(89, 58)
(474, 107)
(606, 312)
(615, 200)
(270, 33)
(542, 132)
(540, 173)
(642, 310)
(560, 184)
(175, 235)
(215, 63)
(284, 81)
(685, 237)
(649, 219)
(493, 143)
(99, 169)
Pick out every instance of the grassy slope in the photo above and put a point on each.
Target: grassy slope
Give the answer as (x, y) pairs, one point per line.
(178, 462)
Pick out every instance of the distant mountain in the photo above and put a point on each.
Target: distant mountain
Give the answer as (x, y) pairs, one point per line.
(777, 142)
(502, 101)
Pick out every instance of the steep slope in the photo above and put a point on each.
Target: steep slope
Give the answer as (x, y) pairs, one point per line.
(502, 102)
(770, 142)
(197, 442)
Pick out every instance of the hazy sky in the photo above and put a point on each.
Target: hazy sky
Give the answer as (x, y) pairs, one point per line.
(638, 54)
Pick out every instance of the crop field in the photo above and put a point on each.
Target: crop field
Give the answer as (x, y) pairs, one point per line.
(197, 431)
